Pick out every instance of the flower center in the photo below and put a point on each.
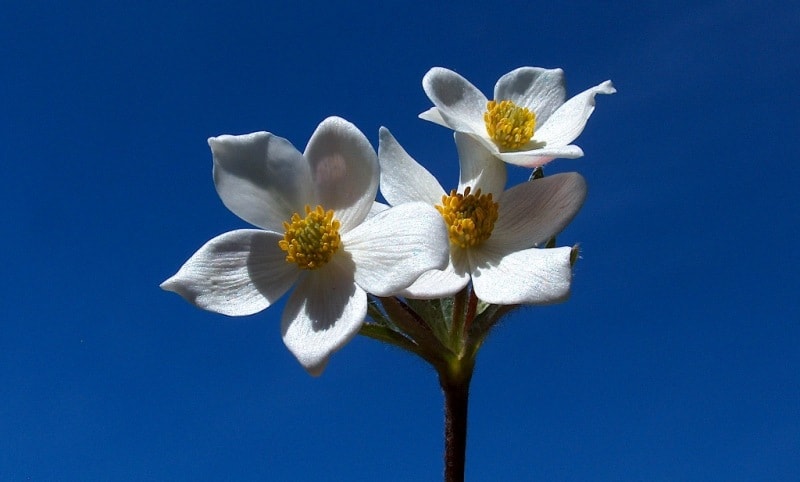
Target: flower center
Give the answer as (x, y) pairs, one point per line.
(509, 125)
(311, 241)
(469, 217)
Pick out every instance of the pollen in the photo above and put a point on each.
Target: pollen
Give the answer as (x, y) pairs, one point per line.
(310, 242)
(509, 125)
(469, 217)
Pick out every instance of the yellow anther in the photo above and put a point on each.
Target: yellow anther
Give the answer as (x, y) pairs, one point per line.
(469, 217)
(311, 241)
(509, 125)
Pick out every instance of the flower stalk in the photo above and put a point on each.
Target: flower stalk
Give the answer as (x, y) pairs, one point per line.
(456, 401)
(446, 333)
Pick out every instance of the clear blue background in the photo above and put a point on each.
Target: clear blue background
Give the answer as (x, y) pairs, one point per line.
(677, 357)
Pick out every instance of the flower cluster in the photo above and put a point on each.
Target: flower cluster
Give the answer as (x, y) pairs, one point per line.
(406, 265)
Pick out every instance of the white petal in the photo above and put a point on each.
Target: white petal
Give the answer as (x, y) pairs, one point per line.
(260, 177)
(322, 314)
(532, 276)
(376, 208)
(567, 123)
(441, 283)
(480, 169)
(344, 168)
(402, 178)
(535, 211)
(461, 105)
(540, 90)
(393, 249)
(237, 273)
(540, 157)
(432, 115)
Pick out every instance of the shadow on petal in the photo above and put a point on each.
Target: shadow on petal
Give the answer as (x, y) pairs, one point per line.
(323, 313)
(267, 268)
(334, 289)
(482, 258)
(322, 296)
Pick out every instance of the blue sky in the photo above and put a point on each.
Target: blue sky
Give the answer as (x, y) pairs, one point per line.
(677, 357)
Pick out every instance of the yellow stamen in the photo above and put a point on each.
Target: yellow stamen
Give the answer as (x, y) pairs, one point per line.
(469, 217)
(311, 241)
(509, 125)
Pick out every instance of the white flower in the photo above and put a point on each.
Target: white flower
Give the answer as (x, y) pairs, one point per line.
(528, 123)
(492, 231)
(312, 209)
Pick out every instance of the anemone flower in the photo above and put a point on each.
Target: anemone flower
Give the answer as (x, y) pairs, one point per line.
(527, 124)
(492, 232)
(311, 209)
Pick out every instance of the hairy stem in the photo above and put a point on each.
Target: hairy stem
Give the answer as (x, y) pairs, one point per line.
(456, 398)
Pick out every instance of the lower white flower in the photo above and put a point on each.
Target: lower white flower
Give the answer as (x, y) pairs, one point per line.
(492, 232)
(312, 210)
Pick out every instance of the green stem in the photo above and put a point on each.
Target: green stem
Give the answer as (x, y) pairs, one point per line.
(433, 313)
(387, 335)
(472, 308)
(446, 334)
(458, 320)
(412, 325)
(454, 380)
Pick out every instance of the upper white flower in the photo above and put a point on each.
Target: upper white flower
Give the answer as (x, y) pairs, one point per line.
(492, 231)
(312, 209)
(528, 123)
